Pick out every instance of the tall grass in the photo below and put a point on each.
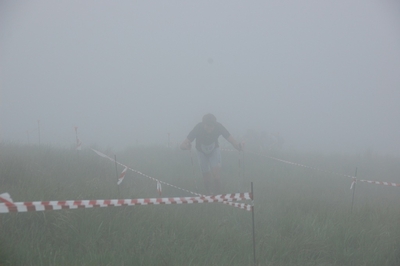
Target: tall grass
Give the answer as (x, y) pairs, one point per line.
(302, 216)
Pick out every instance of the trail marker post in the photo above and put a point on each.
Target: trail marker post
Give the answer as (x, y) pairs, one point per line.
(78, 147)
(116, 169)
(38, 122)
(243, 162)
(240, 171)
(252, 218)
(354, 190)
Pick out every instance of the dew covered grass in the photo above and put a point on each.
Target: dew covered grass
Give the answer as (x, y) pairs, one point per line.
(302, 216)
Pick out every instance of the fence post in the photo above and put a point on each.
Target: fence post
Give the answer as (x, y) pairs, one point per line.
(354, 190)
(116, 170)
(38, 122)
(243, 167)
(252, 217)
(239, 172)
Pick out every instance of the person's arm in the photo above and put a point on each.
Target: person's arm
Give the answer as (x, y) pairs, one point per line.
(186, 144)
(234, 143)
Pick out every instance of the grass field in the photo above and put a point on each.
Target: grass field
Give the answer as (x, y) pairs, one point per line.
(302, 216)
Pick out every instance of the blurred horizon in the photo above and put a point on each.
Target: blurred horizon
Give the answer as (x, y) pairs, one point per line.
(324, 76)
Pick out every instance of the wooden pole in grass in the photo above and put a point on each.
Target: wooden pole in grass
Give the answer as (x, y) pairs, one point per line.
(354, 190)
(243, 163)
(239, 172)
(38, 122)
(116, 169)
(76, 140)
(252, 218)
(243, 168)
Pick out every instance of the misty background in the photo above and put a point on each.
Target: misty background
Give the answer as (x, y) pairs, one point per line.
(325, 75)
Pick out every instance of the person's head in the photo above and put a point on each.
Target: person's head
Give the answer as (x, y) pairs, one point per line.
(209, 122)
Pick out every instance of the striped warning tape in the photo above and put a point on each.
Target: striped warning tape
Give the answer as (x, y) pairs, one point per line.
(142, 174)
(122, 176)
(328, 172)
(234, 204)
(78, 142)
(302, 165)
(7, 205)
(292, 163)
(379, 183)
(6, 198)
(353, 183)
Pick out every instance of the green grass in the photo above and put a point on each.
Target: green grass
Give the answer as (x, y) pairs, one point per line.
(302, 216)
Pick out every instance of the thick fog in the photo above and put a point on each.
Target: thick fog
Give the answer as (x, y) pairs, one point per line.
(325, 75)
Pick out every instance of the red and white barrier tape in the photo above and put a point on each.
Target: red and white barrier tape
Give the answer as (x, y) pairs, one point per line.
(142, 174)
(122, 176)
(234, 204)
(302, 165)
(5, 198)
(380, 183)
(8, 206)
(374, 182)
(353, 183)
(78, 145)
(159, 189)
(328, 172)
(288, 162)
(78, 142)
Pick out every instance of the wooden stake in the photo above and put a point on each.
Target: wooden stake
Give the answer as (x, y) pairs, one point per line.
(38, 122)
(243, 164)
(239, 172)
(116, 169)
(354, 191)
(252, 217)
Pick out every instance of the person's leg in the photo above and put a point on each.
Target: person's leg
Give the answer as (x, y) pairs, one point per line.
(215, 163)
(206, 171)
(208, 182)
(216, 178)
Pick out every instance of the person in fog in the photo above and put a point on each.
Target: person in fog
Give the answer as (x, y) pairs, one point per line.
(206, 134)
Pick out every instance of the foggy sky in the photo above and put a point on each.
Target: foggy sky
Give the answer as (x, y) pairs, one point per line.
(324, 74)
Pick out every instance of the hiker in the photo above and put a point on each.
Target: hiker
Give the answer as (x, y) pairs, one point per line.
(206, 134)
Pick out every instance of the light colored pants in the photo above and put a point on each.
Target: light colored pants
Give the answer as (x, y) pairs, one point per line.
(208, 162)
